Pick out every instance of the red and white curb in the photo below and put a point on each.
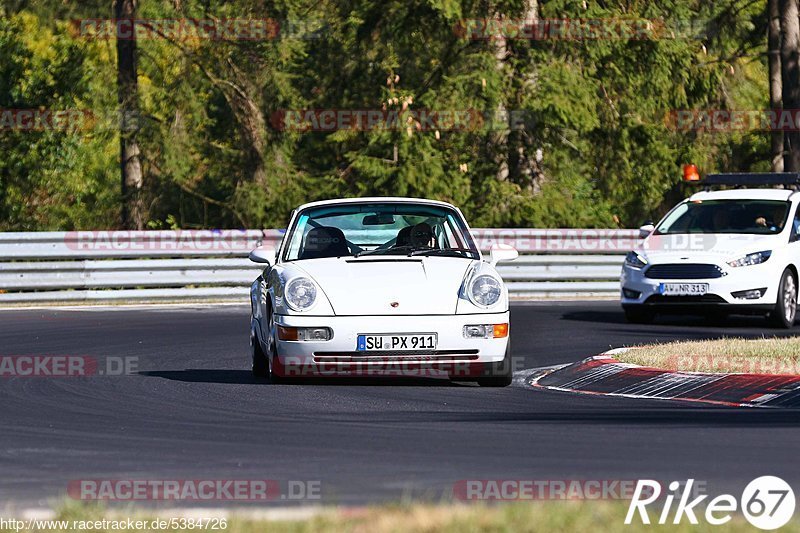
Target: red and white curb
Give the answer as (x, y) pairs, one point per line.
(605, 375)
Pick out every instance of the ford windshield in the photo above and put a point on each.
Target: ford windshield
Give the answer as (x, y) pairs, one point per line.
(757, 217)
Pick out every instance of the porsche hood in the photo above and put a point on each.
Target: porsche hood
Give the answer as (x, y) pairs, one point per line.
(389, 285)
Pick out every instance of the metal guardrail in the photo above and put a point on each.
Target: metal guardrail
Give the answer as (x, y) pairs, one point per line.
(198, 265)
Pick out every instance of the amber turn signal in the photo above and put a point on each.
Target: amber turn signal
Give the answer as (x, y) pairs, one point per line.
(500, 331)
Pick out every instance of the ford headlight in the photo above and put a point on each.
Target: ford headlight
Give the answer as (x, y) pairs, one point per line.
(634, 260)
(300, 294)
(484, 290)
(751, 259)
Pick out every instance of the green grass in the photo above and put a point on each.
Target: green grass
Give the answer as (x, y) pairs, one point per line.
(735, 355)
(595, 516)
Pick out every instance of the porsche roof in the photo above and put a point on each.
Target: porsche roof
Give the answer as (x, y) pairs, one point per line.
(372, 199)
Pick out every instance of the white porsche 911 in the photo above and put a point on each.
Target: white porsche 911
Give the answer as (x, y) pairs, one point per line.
(380, 286)
(721, 252)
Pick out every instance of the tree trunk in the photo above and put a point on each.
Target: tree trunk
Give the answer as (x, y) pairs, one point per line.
(518, 160)
(524, 156)
(132, 208)
(500, 140)
(775, 82)
(790, 54)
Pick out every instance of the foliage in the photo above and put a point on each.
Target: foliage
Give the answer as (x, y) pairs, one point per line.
(595, 149)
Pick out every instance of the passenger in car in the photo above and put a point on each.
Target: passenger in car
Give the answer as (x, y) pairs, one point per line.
(403, 237)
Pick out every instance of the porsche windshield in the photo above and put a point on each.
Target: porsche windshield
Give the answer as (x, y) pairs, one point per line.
(379, 229)
(757, 217)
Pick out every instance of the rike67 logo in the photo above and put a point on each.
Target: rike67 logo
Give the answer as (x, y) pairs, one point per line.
(767, 503)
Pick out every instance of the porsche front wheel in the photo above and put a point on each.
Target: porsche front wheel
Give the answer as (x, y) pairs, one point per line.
(272, 352)
(260, 364)
(499, 374)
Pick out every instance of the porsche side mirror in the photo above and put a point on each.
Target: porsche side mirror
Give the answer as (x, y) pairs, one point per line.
(503, 252)
(646, 230)
(263, 254)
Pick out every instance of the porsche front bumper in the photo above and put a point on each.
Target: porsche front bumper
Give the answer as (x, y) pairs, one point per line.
(455, 355)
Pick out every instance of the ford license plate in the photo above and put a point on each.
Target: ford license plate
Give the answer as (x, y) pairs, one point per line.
(397, 342)
(683, 289)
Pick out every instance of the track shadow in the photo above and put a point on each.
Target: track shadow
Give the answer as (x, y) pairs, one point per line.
(712, 416)
(684, 321)
(654, 334)
(604, 317)
(245, 377)
(202, 375)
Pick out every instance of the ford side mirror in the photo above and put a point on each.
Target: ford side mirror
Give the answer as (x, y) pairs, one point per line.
(646, 230)
(502, 252)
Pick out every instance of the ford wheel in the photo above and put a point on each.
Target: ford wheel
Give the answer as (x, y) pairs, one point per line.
(785, 311)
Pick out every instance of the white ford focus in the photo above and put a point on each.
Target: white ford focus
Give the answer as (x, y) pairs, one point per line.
(380, 286)
(734, 251)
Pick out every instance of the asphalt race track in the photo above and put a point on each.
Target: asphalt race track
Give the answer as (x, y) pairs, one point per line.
(192, 411)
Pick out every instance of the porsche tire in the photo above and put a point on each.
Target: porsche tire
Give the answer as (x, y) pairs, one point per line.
(499, 374)
(260, 366)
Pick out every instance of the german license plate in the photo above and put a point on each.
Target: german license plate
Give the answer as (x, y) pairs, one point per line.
(683, 289)
(394, 342)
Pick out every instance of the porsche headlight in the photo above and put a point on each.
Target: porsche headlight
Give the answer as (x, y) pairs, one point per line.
(635, 260)
(300, 293)
(751, 259)
(484, 290)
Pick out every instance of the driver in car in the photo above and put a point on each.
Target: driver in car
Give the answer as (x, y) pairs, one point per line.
(419, 236)
(774, 221)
